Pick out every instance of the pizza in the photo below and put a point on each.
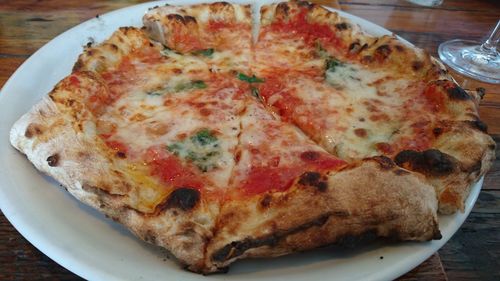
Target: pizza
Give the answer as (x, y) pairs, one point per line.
(219, 146)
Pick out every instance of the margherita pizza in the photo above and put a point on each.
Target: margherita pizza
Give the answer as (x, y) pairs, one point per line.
(217, 146)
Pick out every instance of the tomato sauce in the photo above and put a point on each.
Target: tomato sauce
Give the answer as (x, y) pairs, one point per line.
(74, 81)
(310, 32)
(116, 145)
(434, 97)
(214, 25)
(262, 179)
(171, 170)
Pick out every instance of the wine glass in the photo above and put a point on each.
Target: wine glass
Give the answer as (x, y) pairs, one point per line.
(473, 59)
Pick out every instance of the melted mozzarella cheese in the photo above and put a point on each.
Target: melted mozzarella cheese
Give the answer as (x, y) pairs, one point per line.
(352, 112)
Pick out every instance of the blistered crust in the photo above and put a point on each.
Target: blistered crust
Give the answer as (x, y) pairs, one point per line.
(58, 136)
(190, 28)
(453, 126)
(373, 196)
(110, 53)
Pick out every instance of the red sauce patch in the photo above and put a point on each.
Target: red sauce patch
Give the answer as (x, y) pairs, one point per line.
(310, 32)
(171, 170)
(218, 25)
(434, 97)
(116, 145)
(185, 42)
(74, 81)
(262, 179)
(420, 139)
(285, 104)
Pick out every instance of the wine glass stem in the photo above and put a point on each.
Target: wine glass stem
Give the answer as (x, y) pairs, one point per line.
(491, 43)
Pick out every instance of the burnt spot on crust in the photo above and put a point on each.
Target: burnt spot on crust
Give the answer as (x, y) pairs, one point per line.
(385, 162)
(367, 59)
(237, 248)
(457, 93)
(53, 160)
(342, 26)
(432, 162)
(266, 201)
(282, 9)
(176, 17)
(382, 52)
(32, 130)
(121, 154)
(437, 131)
(313, 179)
(189, 19)
(481, 92)
(305, 4)
(184, 198)
(149, 237)
(480, 125)
(417, 65)
(356, 47)
(399, 48)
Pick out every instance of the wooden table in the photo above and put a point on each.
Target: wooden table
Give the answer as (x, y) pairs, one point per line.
(474, 251)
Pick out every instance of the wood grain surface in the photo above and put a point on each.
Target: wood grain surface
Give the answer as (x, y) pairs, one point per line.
(473, 253)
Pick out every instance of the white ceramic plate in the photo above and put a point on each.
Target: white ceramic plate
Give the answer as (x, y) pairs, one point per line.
(94, 247)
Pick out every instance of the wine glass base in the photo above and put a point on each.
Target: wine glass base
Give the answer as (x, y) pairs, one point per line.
(469, 58)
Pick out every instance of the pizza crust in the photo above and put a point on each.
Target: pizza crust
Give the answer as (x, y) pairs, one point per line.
(372, 197)
(78, 160)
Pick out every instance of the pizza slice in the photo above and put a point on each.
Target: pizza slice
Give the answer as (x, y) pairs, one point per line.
(219, 33)
(361, 96)
(287, 194)
(144, 134)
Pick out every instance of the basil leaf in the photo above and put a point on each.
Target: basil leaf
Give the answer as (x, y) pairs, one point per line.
(203, 137)
(249, 79)
(201, 149)
(331, 63)
(204, 52)
(198, 84)
(154, 93)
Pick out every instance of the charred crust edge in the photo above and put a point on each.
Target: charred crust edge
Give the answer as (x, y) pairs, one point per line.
(282, 8)
(313, 179)
(183, 198)
(457, 93)
(385, 162)
(431, 161)
(237, 248)
(53, 160)
(342, 26)
(480, 125)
